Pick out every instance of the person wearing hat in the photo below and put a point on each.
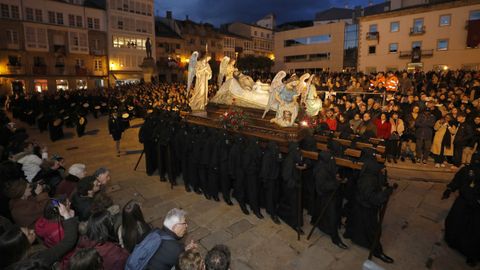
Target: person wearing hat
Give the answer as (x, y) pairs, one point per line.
(67, 186)
(26, 202)
(115, 128)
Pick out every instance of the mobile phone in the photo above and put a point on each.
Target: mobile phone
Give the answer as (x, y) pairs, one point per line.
(55, 203)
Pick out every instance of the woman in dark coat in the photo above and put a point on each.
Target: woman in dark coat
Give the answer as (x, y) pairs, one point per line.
(371, 194)
(115, 128)
(270, 176)
(328, 197)
(463, 221)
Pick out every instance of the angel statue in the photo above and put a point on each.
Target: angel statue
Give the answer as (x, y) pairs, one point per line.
(286, 96)
(313, 103)
(226, 70)
(203, 73)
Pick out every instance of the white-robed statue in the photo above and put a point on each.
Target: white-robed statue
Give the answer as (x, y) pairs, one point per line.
(203, 73)
(313, 103)
(286, 96)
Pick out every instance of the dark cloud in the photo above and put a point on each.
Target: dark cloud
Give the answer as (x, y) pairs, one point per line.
(223, 11)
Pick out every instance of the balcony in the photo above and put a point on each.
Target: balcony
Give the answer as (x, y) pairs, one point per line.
(40, 70)
(14, 69)
(407, 54)
(60, 69)
(81, 71)
(417, 30)
(373, 35)
(97, 52)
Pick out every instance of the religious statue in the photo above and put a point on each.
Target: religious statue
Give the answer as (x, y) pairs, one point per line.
(226, 70)
(148, 47)
(203, 73)
(286, 95)
(313, 103)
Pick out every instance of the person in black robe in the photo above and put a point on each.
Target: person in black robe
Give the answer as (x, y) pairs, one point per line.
(328, 197)
(224, 145)
(270, 176)
(372, 193)
(213, 155)
(463, 221)
(145, 136)
(164, 132)
(81, 125)
(192, 154)
(252, 158)
(197, 144)
(308, 144)
(115, 128)
(203, 144)
(56, 129)
(289, 209)
(235, 161)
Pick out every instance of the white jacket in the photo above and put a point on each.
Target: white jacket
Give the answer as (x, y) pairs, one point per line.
(30, 166)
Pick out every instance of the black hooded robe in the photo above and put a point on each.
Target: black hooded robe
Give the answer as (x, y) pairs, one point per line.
(225, 143)
(326, 186)
(463, 221)
(288, 209)
(270, 175)
(236, 170)
(145, 136)
(363, 223)
(252, 158)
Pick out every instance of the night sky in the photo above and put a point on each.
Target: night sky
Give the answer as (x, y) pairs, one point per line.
(223, 11)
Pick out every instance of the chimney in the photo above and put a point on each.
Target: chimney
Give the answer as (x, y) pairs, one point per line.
(169, 14)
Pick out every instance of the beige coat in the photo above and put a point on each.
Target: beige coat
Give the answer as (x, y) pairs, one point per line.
(399, 127)
(440, 130)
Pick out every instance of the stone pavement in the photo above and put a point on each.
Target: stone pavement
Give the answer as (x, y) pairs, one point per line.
(413, 226)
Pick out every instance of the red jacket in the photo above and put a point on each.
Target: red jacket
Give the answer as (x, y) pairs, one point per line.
(114, 256)
(51, 232)
(383, 130)
(332, 123)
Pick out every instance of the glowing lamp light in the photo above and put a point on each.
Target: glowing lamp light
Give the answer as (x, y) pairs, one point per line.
(445, 67)
(304, 123)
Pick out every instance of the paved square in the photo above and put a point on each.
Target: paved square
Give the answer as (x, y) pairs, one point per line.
(412, 230)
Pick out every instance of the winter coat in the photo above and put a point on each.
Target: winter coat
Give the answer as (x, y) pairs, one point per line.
(26, 212)
(114, 257)
(383, 129)
(398, 127)
(50, 231)
(440, 130)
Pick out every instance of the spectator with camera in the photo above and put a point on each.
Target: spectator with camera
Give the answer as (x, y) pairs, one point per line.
(49, 227)
(16, 241)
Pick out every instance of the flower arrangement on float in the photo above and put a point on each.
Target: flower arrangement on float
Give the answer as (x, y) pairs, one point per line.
(234, 118)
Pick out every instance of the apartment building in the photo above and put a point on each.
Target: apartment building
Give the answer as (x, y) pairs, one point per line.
(51, 45)
(424, 36)
(130, 24)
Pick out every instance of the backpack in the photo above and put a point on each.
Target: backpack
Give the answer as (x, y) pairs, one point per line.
(144, 251)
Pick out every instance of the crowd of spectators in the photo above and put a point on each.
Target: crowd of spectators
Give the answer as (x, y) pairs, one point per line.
(419, 115)
(56, 215)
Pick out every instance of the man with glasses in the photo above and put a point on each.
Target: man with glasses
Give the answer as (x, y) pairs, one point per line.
(174, 229)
